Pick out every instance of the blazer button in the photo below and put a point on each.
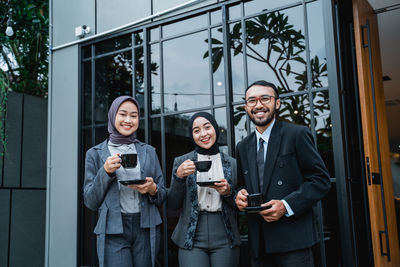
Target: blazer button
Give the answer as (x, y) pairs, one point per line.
(142, 203)
(280, 182)
(281, 164)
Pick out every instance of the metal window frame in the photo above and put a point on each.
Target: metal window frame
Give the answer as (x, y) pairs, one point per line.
(230, 104)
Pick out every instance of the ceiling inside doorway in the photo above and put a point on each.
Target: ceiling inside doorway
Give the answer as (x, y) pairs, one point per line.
(389, 36)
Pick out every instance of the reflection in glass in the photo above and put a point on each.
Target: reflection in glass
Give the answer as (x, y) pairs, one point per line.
(323, 129)
(295, 109)
(239, 122)
(216, 17)
(101, 134)
(156, 136)
(331, 227)
(184, 25)
(138, 38)
(317, 44)
(235, 12)
(178, 140)
(220, 117)
(155, 34)
(276, 49)
(238, 83)
(113, 78)
(87, 93)
(218, 66)
(113, 44)
(256, 6)
(186, 73)
(140, 131)
(87, 140)
(139, 78)
(155, 79)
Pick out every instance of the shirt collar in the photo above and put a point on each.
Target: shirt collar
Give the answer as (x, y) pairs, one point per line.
(132, 146)
(266, 134)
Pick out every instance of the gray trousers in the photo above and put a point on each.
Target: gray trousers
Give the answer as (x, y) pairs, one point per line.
(211, 247)
(132, 248)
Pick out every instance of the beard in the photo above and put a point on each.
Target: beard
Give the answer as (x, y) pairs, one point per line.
(265, 121)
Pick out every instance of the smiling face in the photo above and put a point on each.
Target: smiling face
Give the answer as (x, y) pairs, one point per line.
(127, 118)
(203, 132)
(262, 114)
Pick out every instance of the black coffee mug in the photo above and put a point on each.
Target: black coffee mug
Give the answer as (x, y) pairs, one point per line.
(254, 200)
(203, 166)
(128, 160)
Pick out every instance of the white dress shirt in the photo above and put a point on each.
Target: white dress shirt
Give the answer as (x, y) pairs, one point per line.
(209, 198)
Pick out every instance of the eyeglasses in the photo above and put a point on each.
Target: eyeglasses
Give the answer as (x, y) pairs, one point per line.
(264, 99)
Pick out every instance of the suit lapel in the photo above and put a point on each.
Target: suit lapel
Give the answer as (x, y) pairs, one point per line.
(252, 162)
(141, 151)
(103, 151)
(274, 144)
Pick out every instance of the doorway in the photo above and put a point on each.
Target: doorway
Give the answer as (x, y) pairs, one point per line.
(377, 130)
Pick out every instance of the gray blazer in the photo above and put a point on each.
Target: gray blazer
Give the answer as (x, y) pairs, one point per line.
(101, 192)
(183, 193)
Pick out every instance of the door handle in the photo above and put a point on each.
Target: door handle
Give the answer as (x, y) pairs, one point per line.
(381, 243)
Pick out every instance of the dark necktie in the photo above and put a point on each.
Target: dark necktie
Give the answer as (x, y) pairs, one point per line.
(260, 162)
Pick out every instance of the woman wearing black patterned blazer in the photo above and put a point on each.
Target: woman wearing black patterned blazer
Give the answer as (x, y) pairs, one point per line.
(207, 232)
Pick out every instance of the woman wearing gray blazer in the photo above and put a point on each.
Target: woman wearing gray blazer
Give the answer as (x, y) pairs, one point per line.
(128, 226)
(207, 233)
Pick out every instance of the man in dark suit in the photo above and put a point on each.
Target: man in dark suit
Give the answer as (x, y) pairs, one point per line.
(280, 161)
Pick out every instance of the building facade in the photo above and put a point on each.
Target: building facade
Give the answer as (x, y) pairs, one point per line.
(180, 57)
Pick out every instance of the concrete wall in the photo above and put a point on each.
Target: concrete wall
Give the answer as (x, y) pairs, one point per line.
(63, 142)
(23, 182)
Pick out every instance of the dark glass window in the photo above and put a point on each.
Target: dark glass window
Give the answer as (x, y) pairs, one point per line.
(113, 78)
(113, 44)
(87, 51)
(296, 109)
(87, 93)
(323, 129)
(220, 117)
(155, 79)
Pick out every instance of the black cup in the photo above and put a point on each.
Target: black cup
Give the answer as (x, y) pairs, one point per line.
(128, 160)
(254, 200)
(203, 166)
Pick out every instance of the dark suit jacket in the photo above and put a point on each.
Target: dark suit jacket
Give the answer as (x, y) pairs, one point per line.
(295, 172)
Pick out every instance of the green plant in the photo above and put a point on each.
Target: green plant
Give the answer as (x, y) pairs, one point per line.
(4, 85)
(273, 41)
(24, 56)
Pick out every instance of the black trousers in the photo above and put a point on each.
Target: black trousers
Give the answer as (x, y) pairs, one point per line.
(296, 258)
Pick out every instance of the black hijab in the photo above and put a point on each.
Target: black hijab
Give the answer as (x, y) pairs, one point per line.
(215, 147)
(115, 136)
